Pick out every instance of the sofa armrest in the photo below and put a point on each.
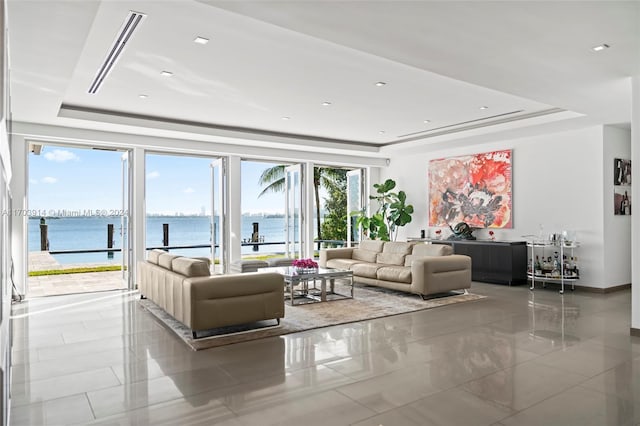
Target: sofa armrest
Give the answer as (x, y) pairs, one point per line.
(334, 253)
(437, 274)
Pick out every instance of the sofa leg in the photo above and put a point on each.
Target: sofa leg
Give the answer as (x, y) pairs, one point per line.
(142, 297)
(424, 297)
(278, 321)
(194, 334)
(466, 291)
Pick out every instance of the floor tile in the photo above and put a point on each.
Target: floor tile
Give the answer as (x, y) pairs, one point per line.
(587, 359)
(524, 385)
(58, 387)
(193, 410)
(443, 408)
(622, 381)
(41, 370)
(326, 408)
(129, 396)
(579, 407)
(279, 389)
(70, 409)
(395, 389)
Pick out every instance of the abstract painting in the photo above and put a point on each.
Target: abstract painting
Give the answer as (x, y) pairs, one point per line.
(621, 171)
(475, 189)
(622, 201)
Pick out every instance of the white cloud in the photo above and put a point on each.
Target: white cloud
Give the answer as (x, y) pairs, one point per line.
(60, 156)
(153, 175)
(189, 190)
(49, 179)
(33, 181)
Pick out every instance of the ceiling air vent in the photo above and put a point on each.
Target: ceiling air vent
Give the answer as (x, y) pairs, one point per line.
(130, 24)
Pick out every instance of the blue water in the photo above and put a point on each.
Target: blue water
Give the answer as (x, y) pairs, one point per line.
(69, 233)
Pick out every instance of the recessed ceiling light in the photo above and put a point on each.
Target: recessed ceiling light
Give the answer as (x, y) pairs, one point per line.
(484, 107)
(427, 121)
(143, 96)
(286, 118)
(166, 73)
(382, 132)
(326, 103)
(201, 40)
(600, 47)
(380, 83)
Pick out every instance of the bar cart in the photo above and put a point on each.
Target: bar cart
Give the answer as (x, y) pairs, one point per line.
(553, 261)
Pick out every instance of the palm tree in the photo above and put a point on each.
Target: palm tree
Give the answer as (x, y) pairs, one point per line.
(274, 179)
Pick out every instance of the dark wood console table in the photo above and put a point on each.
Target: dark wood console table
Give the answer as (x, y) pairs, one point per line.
(499, 262)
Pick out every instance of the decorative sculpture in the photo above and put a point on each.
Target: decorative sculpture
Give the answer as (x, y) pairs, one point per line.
(462, 231)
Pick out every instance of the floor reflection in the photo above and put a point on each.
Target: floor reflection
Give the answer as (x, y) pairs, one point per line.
(552, 320)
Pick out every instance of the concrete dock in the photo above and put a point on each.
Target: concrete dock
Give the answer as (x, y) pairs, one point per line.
(51, 285)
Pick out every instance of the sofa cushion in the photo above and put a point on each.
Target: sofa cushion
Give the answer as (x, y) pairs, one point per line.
(401, 274)
(390, 258)
(280, 261)
(397, 247)
(367, 270)
(154, 254)
(364, 255)
(190, 267)
(340, 263)
(432, 250)
(371, 245)
(165, 260)
(248, 265)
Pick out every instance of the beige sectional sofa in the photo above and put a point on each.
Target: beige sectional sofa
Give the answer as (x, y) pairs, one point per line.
(419, 268)
(184, 288)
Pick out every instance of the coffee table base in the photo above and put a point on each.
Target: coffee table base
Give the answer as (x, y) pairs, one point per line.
(312, 286)
(306, 291)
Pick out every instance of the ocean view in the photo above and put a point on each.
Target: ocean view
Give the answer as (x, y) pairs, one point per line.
(69, 233)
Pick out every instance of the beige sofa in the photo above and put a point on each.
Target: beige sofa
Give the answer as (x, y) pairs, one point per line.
(419, 268)
(184, 288)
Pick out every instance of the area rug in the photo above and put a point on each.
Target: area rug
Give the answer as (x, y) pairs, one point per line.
(369, 303)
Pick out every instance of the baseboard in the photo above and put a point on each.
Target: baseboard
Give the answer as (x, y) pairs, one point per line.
(635, 332)
(604, 290)
(567, 287)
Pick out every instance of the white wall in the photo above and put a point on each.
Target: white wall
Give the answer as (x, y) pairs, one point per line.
(557, 182)
(19, 203)
(635, 194)
(617, 229)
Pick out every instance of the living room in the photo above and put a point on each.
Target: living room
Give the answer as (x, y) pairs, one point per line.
(378, 86)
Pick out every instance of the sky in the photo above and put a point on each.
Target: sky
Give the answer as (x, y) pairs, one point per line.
(63, 178)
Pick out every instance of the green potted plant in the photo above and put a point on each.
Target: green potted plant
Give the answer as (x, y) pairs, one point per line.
(392, 213)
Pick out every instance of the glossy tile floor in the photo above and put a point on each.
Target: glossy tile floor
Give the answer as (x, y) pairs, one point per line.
(515, 358)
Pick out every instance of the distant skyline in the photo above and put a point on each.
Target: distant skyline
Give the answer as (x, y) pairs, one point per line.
(63, 178)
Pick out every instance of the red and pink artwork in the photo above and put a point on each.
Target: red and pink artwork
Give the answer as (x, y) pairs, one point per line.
(475, 189)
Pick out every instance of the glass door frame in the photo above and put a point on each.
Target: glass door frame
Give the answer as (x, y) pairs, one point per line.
(220, 196)
(361, 187)
(125, 220)
(294, 191)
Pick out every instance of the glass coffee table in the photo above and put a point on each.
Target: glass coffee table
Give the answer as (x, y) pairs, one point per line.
(311, 286)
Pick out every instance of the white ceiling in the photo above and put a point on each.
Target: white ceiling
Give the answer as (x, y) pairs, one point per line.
(530, 63)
